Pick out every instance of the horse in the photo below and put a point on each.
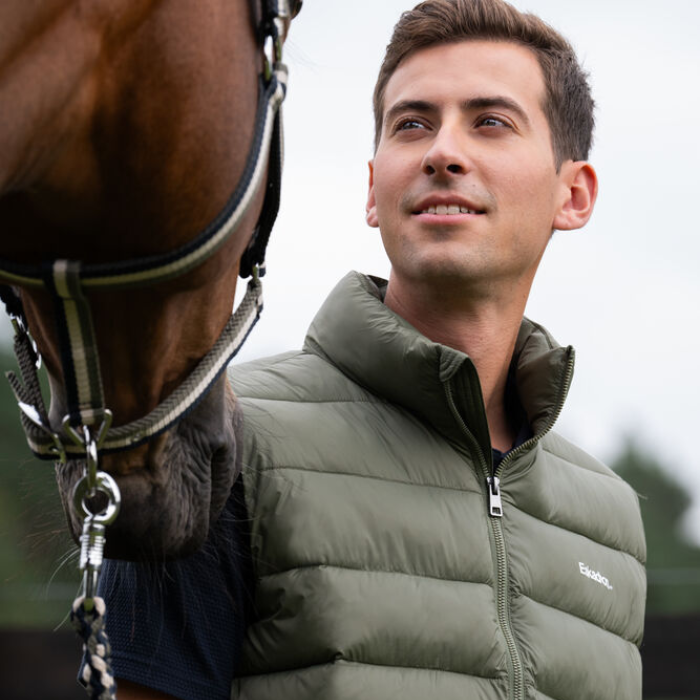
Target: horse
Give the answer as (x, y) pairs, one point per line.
(132, 135)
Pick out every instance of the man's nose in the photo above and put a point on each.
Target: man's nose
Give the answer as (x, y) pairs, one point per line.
(447, 154)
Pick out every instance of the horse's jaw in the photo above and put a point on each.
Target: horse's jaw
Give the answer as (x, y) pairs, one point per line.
(173, 489)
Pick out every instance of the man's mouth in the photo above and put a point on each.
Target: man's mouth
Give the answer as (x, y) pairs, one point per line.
(448, 210)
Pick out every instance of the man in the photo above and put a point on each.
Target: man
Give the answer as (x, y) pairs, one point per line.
(417, 530)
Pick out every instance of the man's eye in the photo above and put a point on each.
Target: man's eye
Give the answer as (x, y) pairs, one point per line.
(492, 121)
(408, 124)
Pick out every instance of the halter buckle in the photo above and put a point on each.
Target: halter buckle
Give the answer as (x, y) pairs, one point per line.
(272, 55)
(82, 438)
(259, 271)
(35, 417)
(275, 29)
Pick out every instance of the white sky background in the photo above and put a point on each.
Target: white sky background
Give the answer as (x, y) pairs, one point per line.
(624, 290)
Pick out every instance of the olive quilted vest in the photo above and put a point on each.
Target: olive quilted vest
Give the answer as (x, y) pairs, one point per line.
(384, 569)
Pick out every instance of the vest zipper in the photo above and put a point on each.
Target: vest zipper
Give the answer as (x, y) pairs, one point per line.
(496, 512)
(515, 668)
(528, 444)
(503, 609)
(495, 503)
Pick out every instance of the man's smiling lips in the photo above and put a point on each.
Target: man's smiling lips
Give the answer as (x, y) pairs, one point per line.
(446, 209)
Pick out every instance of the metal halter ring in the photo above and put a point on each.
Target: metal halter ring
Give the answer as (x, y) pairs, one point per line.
(92, 540)
(105, 484)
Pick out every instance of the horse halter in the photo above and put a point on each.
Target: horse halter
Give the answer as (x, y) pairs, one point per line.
(87, 426)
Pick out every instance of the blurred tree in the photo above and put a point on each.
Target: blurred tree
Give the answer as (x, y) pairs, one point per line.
(673, 561)
(38, 560)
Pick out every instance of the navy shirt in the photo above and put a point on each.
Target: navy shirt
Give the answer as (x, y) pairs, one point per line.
(524, 434)
(178, 626)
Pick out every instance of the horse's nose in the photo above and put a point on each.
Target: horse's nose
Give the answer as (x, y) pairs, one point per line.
(148, 458)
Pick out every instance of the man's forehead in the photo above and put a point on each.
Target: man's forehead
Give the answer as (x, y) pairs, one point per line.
(469, 67)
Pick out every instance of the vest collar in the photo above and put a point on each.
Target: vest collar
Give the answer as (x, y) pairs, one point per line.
(382, 352)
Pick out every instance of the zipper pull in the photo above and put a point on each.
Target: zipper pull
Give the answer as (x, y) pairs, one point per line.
(495, 505)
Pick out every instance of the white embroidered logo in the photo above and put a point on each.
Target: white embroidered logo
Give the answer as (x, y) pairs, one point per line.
(594, 575)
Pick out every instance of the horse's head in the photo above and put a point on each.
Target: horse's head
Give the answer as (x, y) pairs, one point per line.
(131, 126)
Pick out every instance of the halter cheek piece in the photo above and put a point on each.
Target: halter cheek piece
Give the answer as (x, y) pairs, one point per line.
(86, 430)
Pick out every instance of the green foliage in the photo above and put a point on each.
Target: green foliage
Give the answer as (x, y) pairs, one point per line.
(38, 570)
(673, 561)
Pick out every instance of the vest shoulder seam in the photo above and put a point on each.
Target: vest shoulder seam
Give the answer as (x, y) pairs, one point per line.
(606, 475)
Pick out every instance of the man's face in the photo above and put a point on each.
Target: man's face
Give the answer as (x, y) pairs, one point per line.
(463, 185)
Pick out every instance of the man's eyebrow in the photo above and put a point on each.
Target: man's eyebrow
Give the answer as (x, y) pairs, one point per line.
(471, 104)
(421, 106)
(496, 101)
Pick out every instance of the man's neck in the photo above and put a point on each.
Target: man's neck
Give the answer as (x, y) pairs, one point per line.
(483, 328)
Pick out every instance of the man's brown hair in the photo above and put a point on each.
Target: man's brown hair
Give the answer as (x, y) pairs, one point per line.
(568, 104)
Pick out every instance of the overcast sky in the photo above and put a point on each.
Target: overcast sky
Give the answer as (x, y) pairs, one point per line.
(624, 290)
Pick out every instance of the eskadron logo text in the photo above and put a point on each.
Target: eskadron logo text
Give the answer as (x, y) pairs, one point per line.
(594, 575)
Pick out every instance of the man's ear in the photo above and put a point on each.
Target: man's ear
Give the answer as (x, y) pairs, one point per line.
(579, 191)
(371, 206)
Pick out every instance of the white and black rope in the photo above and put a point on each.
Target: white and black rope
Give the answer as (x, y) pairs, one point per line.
(89, 622)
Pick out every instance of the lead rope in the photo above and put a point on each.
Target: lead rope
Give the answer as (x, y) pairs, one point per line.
(97, 496)
(97, 675)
